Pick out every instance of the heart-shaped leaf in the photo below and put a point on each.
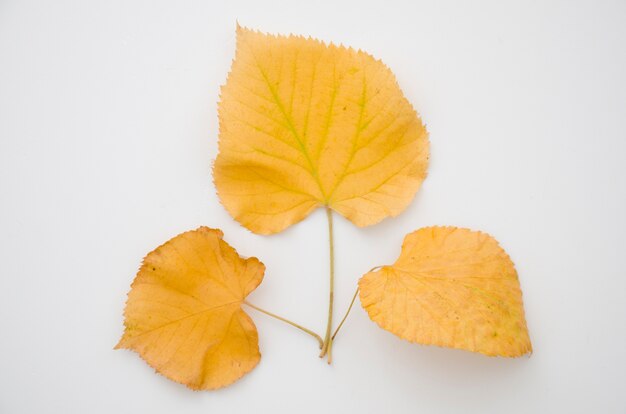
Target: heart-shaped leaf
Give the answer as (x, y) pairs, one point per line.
(304, 124)
(450, 287)
(183, 315)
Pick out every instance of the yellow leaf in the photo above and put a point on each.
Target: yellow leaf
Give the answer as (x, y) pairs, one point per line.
(304, 124)
(183, 315)
(450, 287)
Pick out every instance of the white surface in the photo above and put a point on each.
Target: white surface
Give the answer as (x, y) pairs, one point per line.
(108, 127)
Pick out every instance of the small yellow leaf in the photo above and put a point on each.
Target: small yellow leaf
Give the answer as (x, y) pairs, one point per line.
(183, 315)
(450, 287)
(304, 124)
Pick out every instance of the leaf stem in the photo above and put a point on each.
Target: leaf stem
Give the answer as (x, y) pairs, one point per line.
(280, 318)
(347, 313)
(326, 348)
(352, 304)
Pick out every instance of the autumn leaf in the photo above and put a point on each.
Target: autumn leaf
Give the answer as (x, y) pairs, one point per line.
(450, 287)
(183, 315)
(304, 124)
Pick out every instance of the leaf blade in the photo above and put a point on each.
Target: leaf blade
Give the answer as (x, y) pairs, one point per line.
(450, 287)
(304, 124)
(183, 315)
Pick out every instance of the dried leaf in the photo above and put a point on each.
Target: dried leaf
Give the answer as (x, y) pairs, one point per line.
(304, 124)
(450, 287)
(183, 315)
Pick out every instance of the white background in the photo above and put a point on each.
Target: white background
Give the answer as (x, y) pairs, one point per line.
(108, 128)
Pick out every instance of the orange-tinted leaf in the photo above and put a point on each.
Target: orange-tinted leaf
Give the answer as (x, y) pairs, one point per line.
(304, 124)
(184, 316)
(450, 287)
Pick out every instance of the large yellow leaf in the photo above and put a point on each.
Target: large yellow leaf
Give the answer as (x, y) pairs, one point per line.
(304, 124)
(450, 287)
(184, 316)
